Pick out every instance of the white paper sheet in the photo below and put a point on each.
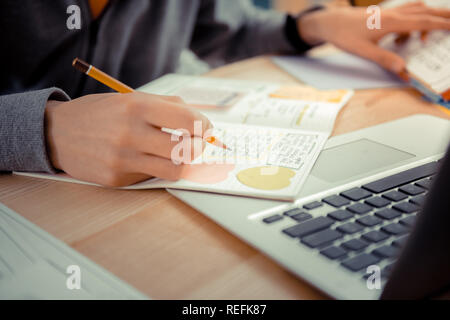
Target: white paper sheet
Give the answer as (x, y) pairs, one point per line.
(337, 71)
(429, 60)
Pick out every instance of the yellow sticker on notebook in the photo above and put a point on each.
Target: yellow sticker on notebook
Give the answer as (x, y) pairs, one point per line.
(306, 93)
(266, 178)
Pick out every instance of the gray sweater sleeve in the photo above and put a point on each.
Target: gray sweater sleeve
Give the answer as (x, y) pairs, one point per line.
(22, 136)
(230, 30)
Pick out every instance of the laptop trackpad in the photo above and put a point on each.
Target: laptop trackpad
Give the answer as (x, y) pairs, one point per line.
(355, 158)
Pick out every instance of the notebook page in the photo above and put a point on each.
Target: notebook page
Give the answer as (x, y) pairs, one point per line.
(253, 102)
(260, 162)
(310, 115)
(426, 60)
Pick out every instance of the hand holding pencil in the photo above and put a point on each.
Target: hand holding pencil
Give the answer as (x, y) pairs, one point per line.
(116, 139)
(115, 84)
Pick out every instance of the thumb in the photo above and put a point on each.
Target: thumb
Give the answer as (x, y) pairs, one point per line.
(385, 58)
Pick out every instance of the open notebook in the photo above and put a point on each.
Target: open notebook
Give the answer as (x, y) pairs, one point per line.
(274, 134)
(428, 62)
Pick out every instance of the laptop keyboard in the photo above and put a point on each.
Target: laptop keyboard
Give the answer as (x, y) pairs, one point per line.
(365, 225)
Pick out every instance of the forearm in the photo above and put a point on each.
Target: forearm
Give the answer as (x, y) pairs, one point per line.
(22, 130)
(228, 31)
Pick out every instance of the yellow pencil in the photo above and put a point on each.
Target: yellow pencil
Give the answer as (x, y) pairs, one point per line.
(100, 76)
(445, 110)
(115, 84)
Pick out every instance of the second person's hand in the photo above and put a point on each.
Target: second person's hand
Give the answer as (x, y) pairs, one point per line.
(347, 29)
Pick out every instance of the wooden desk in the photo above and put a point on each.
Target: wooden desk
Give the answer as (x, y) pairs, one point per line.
(167, 249)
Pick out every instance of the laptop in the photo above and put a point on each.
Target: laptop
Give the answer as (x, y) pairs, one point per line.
(371, 220)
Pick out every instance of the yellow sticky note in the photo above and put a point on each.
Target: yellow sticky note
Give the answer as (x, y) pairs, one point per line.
(298, 92)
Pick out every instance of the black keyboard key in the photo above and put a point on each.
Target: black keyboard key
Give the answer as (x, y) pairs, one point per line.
(402, 178)
(293, 212)
(418, 200)
(408, 221)
(377, 202)
(375, 236)
(340, 215)
(355, 244)
(406, 207)
(313, 205)
(395, 195)
(308, 227)
(412, 190)
(361, 261)
(350, 228)
(400, 242)
(424, 183)
(395, 229)
(369, 221)
(388, 214)
(273, 218)
(302, 216)
(333, 252)
(386, 252)
(356, 194)
(320, 238)
(359, 208)
(336, 201)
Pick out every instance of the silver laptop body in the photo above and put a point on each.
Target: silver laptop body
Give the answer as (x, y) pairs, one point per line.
(348, 161)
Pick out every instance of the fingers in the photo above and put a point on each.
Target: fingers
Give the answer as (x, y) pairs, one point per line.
(169, 112)
(175, 99)
(421, 8)
(417, 16)
(182, 117)
(424, 35)
(384, 58)
(402, 38)
(155, 166)
(411, 5)
(133, 167)
(150, 140)
(124, 166)
(422, 22)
